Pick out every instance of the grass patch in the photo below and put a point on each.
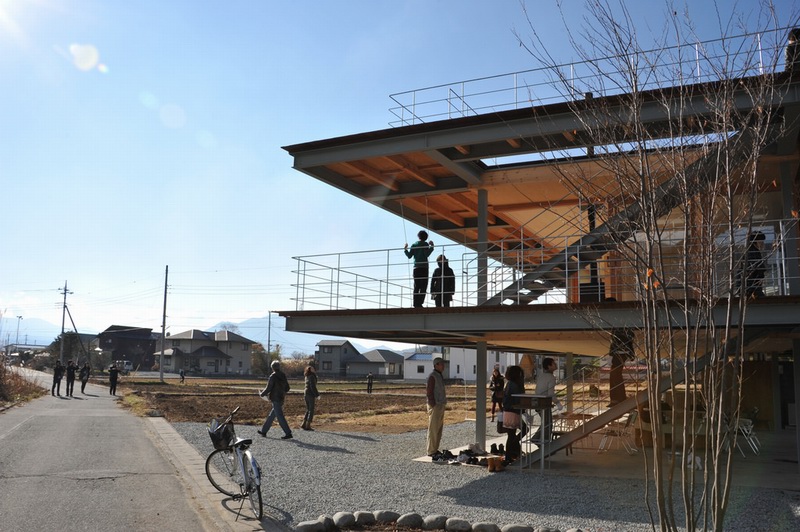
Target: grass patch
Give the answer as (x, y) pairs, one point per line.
(15, 388)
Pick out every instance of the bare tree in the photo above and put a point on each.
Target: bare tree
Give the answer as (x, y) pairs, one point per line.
(678, 138)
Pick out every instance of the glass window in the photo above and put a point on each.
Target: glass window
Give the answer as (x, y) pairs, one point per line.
(420, 369)
(326, 365)
(391, 368)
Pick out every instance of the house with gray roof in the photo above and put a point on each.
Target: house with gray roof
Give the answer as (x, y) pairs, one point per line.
(208, 353)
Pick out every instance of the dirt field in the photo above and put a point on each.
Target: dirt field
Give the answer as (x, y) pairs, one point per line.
(389, 410)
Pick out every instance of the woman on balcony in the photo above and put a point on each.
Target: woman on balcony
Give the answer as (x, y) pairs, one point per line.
(443, 283)
(420, 251)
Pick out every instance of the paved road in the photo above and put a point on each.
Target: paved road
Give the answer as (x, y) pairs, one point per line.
(84, 463)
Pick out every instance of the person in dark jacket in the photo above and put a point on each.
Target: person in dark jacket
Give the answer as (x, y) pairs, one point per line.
(276, 390)
(113, 377)
(515, 384)
(420, 251)
(443, 283)
(496, 385)
(72, 369)
(58, 374)
(310, 394)
(86, 372)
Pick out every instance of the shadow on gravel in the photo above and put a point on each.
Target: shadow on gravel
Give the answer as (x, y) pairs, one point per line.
(323, 448)
(352, 436)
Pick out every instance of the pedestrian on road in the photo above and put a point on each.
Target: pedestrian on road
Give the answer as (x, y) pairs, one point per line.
(86, 372)
(182, 373)
(369, 382)
(276, 390)
(437, 400)
(310, 394)
(420, 251)
(58, 374)
(113, 376)
(72, 369)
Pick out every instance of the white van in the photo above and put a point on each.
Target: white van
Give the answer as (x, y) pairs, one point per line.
(125, 366)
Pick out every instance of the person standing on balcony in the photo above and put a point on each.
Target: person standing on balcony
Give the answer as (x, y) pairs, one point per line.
(443, 283)
(420, 251)
(755, 265)
(793, 51)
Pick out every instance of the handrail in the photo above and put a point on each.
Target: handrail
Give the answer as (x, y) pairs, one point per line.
(382, 279)
(703, 61)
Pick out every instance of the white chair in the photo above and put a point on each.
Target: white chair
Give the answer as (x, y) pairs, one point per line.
(619, 430)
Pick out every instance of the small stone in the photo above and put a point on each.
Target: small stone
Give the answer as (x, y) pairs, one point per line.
(434, 522)
(364, 518)
(454, 524)
(386, 516)
(310, 526)
(485, 527)
(574, 530)
(410, 520)
(547, 529)
(344, 519)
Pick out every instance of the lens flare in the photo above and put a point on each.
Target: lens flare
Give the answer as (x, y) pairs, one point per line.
(85, 57)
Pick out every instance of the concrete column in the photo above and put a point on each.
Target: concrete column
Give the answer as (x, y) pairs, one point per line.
(480, 395)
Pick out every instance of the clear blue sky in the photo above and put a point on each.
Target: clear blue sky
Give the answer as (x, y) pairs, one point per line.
(140, 134)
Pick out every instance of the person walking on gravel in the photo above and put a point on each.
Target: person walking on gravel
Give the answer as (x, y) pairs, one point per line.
(276, 390)
(310, 394)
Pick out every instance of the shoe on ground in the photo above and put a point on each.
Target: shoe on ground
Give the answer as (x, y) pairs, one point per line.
(493, 448)
(501, 449)
(287, 437)
(309, 428)
(262, 433)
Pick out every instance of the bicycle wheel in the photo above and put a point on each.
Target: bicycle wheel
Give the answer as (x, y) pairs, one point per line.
(254, 487)
(222, 471)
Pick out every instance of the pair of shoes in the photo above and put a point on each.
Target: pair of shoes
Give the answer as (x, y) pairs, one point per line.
(263, 434)
(287, 436)
(495, 464)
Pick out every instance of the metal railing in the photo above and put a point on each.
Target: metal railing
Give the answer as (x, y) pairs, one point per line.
(704, 61)
(383, 279)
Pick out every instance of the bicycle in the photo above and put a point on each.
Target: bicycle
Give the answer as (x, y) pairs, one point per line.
(231, 467)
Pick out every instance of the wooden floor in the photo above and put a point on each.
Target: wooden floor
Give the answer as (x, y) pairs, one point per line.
(775, 466)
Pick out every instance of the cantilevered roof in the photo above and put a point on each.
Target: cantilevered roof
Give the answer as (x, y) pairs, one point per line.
(431, 173)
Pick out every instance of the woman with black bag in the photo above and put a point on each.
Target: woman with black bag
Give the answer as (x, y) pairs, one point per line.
(515, 384)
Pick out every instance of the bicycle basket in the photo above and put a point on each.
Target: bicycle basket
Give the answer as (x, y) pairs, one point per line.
(221, 435)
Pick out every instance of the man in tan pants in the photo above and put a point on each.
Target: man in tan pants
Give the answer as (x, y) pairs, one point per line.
(436, 404)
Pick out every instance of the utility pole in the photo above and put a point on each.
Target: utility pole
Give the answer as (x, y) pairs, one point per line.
(63, 317)
(163, 327)
(17, 341)
(269, 332)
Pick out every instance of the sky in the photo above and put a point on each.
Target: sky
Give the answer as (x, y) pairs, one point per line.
(136, 135)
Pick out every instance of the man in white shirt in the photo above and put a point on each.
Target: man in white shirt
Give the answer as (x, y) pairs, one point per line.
(546, 385)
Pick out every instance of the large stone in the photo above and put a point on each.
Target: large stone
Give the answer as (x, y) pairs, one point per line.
(364, 518)
(547, 529)
(386, 516)
(310, 526)
(410, 520)
(344, 519)
(574, 530)
(327, 522)
(454, 524)
(516, 528)
(485, 527)
(434, 522)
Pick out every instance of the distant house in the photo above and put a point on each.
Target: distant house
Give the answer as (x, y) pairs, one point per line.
(136, 344)
(386, 363)
(418, 366)
(208, 353)
(340, 358)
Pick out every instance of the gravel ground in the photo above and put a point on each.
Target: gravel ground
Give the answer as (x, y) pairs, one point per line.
(326, 472)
